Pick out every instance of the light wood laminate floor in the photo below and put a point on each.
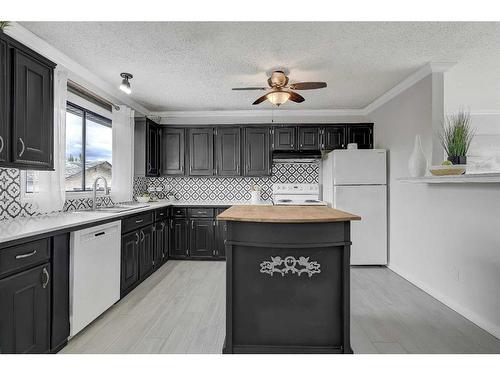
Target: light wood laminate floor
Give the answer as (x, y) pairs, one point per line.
(181, 309)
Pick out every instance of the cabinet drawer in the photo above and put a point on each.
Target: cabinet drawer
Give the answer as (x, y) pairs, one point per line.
(131, 223)
(201, 212)
(22, 256)
(161, 214)
(179, 211)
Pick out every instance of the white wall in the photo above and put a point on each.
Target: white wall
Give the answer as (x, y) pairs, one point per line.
(443, 238)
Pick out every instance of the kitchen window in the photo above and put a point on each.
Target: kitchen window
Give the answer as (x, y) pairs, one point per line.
(88, 148)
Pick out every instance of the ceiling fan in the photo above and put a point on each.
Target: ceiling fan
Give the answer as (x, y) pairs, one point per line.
(280, 92)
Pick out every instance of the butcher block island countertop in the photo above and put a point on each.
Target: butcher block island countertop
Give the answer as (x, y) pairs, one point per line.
(287, 279)
(285, 214)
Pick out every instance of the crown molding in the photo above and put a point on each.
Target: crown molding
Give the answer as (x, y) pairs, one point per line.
(424, 71)
(277, 113)
(77, 72)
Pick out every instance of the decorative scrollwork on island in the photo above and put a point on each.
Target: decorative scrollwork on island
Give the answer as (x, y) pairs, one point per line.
(290, 265)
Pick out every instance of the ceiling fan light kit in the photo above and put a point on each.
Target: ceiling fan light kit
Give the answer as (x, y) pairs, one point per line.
(280, 93)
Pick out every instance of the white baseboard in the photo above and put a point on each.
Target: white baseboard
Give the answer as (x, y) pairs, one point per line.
(478, 320)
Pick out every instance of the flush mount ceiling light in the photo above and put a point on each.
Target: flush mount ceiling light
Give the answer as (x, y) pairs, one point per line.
(125, 86)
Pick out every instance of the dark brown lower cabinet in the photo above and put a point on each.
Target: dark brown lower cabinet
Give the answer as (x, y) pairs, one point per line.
(146, 249)
(220, 235)
(178, 238)
(25, 311)
(129, 261)
(201, 239)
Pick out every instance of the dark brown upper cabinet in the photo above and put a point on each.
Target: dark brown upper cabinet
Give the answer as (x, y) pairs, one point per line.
(308, 138)
(360, 134)
(4, 124)
(153, 143)
(201, 152)
(257, 153)
(27, 107)
(334, 137)
(284, 138)
(172, 151)
(228, 151)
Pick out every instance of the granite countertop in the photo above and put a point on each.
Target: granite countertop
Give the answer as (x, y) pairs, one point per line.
(25, 227)
(286, 214)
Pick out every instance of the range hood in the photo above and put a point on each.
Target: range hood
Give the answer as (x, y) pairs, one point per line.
(304, 156)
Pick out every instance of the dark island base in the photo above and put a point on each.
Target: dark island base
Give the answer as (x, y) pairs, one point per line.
(287, 288)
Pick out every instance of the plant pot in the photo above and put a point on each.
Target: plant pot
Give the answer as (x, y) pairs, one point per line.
(458, 159)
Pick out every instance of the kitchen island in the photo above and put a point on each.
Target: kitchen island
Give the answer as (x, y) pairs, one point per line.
(287, 279)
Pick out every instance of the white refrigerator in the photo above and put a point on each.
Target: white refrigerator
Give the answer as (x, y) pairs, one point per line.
(356, 181)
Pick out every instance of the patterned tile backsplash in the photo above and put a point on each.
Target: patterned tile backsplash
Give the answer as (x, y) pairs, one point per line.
(229, 188)
(184, 188)
(11, 205)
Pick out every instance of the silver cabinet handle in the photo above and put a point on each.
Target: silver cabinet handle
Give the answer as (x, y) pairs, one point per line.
(142, 236)
(171, 224)
(1, 141)
(27, 255)
(22, 144)
(139, 221)
(192, 224)
(137, 238)
(47, 278)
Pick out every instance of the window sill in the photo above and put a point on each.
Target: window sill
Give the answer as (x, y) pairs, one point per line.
(479, 178)
(82, 194)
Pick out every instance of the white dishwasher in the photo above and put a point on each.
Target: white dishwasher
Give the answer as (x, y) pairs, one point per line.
(94, 273)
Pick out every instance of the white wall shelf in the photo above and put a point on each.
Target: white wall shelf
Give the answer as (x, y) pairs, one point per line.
(482, 178)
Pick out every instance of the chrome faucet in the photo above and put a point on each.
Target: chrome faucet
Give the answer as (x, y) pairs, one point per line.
(94, 191)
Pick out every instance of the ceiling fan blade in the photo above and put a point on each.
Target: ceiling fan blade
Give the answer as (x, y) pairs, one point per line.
(307, 85)
(249, 88)
(294, 97)
(260, 100)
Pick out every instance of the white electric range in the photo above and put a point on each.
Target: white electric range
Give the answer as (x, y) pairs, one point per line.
(297, 195)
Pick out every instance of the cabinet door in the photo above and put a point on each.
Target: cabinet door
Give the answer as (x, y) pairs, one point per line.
(166, 241)
(201, 242)
(152, 149)
(158, 238)
(33, 112)
(227, 143)
(25, 311)
(172, 151)
(201, 152)
(220, 235)
(284, 138)
(146, 252)
(334, 137)
(257, 152)
(178, 238)
(4, 97)
(129, 261)
(308, 138)
(360, 134)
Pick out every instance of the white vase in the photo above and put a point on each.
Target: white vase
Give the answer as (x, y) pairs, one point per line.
(417, 165)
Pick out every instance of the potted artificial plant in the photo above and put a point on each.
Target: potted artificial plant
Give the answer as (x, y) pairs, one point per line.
(457, 136)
